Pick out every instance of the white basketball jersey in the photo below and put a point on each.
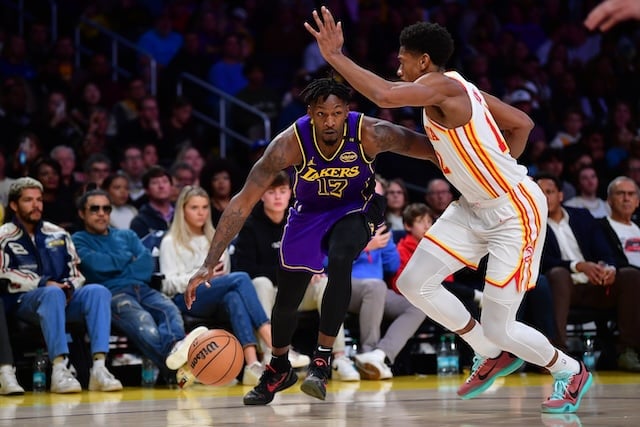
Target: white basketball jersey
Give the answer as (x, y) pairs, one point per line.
(475, 157)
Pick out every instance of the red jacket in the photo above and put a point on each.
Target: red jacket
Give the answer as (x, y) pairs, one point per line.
(406, 247)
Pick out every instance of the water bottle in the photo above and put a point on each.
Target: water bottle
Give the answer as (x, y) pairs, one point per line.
(148, 373)
(589, 355)
(442, 356)
(454, 355)
(39, 372)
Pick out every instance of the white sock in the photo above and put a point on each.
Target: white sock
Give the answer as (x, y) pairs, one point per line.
(564, 363)
(480, 344)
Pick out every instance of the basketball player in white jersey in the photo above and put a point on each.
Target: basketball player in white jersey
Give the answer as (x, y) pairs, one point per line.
(501, 212)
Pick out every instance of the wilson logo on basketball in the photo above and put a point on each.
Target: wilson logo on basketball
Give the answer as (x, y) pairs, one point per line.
(203, 353)
(348, 157)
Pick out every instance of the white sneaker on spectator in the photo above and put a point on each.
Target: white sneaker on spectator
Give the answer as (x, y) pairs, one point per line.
(372, 367)
(252, 374)
(298, 360)
(8, 383)
(62, 380)
(180, 351)
(103, 380)
(343, 369)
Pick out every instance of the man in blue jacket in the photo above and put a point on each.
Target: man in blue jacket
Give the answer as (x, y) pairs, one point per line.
(118, 259)
(41, 284)
(581, 269)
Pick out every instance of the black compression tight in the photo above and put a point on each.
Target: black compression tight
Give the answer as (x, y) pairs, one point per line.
(346, 240)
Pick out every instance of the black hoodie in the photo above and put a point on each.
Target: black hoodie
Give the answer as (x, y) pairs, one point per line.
(257, 247)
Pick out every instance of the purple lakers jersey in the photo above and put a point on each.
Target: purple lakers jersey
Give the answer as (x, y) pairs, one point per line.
(325, 190)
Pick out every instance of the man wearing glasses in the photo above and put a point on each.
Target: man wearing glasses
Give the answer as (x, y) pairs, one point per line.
(118, 259)
(41, 284)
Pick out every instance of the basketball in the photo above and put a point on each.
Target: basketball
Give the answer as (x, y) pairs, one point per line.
(216, 357)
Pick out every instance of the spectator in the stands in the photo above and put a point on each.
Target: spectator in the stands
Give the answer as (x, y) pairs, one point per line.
(14, 61)
(587, 185)
(226, 73)
(156, 214)
(96, 169)
(397, 199)
(161, 41)
(58, 204)
(117, 187)
(439, 195)
(217, 179)
(70, 180)
(132, 164)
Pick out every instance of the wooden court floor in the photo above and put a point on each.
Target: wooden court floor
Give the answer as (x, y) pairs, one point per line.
(613, 400)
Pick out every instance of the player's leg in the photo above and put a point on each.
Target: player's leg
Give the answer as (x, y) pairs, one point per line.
(341, 250)
(278, 374)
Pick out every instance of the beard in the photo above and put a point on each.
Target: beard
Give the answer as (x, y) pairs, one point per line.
(32, 217)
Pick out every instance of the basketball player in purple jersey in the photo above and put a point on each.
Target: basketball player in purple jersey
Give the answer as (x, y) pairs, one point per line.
(330, 152)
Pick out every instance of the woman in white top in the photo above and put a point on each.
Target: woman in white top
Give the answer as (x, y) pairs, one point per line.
(123, 212)
(182, 252)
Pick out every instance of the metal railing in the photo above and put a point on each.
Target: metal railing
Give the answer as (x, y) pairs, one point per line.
(223, 103)
(24, 15)
(116, 41)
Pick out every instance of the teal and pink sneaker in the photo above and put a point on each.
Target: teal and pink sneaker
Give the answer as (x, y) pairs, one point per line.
(568, 389)
(485, 371)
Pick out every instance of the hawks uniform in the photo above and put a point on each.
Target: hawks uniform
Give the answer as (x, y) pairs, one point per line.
(501, 210)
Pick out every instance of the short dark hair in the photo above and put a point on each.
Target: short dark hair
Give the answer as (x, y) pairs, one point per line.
(282, 178)
(430, 38)
(81, 202)
(155, 171)
(321, 89)
(414, 211)
(546, 175)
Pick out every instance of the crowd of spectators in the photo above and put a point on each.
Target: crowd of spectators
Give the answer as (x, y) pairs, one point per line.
(73, 127)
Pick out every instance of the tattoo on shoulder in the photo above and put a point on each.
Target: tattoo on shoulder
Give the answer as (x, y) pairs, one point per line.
(388, 137)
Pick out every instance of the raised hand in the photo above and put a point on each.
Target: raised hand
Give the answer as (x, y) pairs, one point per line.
(329, 34)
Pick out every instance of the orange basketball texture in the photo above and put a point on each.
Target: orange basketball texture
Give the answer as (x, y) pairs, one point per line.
(216, 357)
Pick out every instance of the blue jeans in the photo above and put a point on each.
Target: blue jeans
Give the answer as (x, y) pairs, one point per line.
(47, 306)
(235, 293)
(149, 319)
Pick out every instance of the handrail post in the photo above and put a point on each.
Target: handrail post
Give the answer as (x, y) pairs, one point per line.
(222, 119)
(153, 70)
(54, 19)
(21, 17)
(77, 47)
(114, 60)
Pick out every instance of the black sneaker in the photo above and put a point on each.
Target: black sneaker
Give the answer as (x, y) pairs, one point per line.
(315, 384)
(270, 383)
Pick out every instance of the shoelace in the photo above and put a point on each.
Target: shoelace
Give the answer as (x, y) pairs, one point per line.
(560, 388)
(475, 368)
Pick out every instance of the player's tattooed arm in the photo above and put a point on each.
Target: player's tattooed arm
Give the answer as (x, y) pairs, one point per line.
(381, 135)
(281, 153)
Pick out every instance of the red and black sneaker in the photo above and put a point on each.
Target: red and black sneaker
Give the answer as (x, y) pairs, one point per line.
(270, 383)
(315, 384)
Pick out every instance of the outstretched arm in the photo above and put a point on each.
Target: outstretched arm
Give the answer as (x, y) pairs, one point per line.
(280, 154)
(611, 12)
(515, 124)
(382, 92)
(381, 135)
